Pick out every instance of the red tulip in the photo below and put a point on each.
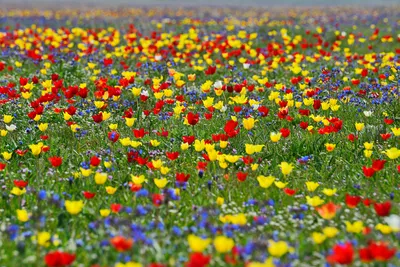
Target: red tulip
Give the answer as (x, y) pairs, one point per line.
(342, 254)
(263, 110)
(388, 121)
(188, 139)
(364, 72)
(197, 259)
(317, 104)
(368, 172)
(352, 201)
(97, 118)
(211, 70)
(95, 161)
(55, 161)
(2, 166)
(157, 199)
(182, 177)
(172, 155)
(21, 152)
(192, 118)
(378, 164)
(383, 209)
(139, 133)
(365, 255)
(381, 252)
(289, 192)
(59, 259)
(121, 243)
(386, 136)
(135, 187)
(113, 136)
(88, 195)
(303, 125)
(20, 183)
(352, 137)
(241, 176)
(285, 132)
(230, 128)
(115, 207)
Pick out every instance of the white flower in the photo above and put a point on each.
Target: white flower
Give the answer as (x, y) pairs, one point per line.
(11, 127)
(223, 109)
(368, 113)
(158, 57)
(218, 84)
(246, 66)
(145, 93)
(393, 221)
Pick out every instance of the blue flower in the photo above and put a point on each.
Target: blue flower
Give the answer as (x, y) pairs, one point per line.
(142, 193)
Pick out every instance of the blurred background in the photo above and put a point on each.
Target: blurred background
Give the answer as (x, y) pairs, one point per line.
(264, 3)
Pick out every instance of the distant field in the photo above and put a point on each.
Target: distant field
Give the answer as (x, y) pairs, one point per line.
(206, 2)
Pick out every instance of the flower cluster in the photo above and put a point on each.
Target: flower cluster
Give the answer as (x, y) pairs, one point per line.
(200, 137)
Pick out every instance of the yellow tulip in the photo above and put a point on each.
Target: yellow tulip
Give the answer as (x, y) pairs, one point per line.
(112, 126)
(314, 201)
(277, 249)
(286, 168)
(138, 179)
(43, 127)
(105, 212)
(17, 191)
(359, 126)
(111, 190)
(220, 201)
(223, 144)
(318, 238)
(329, 192)
(6, 155)
(368, 146)
(155, 143)
(330, 231)
(223, 244)
(130, 121)
(86, 172)
(74, 207)
(184, 146)
(355, 227)
(107, 164)
(36, 149)
(43, 239)
(160, 183)
(248, 123)
(100, 177)
(265, 181)
(198, 244)
(396, 131)
(392, 153)
(7, 118)
(22, 215)
(275, 137)
(125, 141)
(312, 186)
(280, 184)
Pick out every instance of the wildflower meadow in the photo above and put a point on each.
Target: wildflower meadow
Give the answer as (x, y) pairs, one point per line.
(161, 136)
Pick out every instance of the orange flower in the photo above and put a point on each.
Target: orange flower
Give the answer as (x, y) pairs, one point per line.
(330, 147)
(327, 211)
